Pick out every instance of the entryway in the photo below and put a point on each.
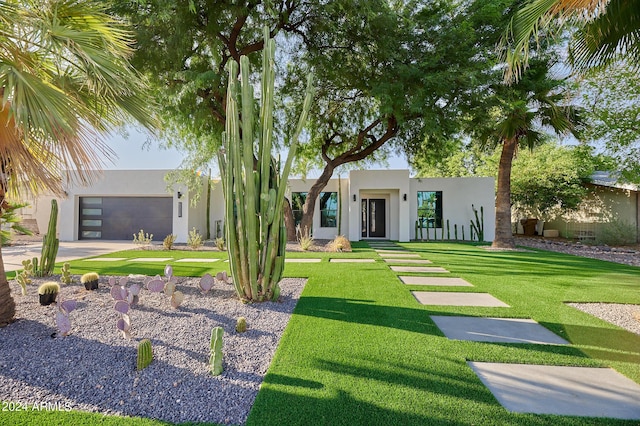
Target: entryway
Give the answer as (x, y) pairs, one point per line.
(374, 219)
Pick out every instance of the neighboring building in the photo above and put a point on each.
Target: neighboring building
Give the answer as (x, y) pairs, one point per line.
(370, 204)
(609, 204)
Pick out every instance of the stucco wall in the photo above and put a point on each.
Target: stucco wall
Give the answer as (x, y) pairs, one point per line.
(112, 183)
(458, 194)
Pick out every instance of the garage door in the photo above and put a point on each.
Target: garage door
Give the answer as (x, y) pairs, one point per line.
(118, 218)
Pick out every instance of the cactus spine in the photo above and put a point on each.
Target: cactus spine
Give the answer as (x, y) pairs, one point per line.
(215, 359)
(50, 245)
(252, 183)
(145, 354)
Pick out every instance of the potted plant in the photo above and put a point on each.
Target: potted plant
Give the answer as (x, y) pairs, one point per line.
(90, 280)
(48, 292)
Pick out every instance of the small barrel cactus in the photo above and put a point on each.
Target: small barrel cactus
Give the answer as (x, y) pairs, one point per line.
(215, 360)
(90, 280)
(241, 325)
(48, 292)
(145, 354)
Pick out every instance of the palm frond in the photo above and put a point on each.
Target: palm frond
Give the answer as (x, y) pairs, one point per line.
(526, 23)
(608, 37)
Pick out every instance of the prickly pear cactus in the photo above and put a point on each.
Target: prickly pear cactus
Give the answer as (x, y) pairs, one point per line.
(145, 354)
(215, 360)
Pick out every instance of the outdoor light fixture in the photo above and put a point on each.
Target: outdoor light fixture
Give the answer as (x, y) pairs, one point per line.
(404, 197)
(354, 197)
(180, 208)
(179, 194)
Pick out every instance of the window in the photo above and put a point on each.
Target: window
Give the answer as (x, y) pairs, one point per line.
(328, 209)
(430, 209)
(297, 201)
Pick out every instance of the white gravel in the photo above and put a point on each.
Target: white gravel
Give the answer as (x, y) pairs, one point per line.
(626, 316)
(622, 315)
(93, 369)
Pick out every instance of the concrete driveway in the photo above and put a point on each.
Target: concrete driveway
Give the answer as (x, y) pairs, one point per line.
(69, 250)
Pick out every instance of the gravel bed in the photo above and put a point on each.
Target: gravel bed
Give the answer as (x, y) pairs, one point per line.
(625, 316)
(624, 255)
(93, 369)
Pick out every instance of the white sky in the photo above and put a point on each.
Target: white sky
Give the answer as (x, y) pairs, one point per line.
(136, 152)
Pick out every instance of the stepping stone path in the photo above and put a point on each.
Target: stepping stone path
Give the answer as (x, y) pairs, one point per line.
(454, 298)
(347, 260)
(197, 260)
(435, 281)
(506, 330)
(395, 254)
(151, 259)
(314, 260)
(566, 391)
(105, 259)
(537, 389)
(414, 261)
(430, 269)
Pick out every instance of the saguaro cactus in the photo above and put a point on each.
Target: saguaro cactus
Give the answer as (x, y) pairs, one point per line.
(252, 184)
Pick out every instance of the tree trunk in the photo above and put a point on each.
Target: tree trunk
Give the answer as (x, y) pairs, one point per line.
(289, 221)
(7, 305)
(504, 235)
(306, 223)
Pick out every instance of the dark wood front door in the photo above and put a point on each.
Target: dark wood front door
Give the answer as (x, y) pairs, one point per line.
(374, 218)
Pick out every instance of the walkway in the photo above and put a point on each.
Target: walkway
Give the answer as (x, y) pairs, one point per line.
(538, 389)
(69, 250)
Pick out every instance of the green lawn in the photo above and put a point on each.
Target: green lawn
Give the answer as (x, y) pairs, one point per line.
(360, 350)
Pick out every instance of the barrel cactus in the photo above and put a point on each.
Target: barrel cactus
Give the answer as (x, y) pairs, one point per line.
(145, 354)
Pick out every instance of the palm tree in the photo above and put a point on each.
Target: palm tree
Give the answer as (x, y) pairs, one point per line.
(519, 115)
(65, 80)
(608, 30)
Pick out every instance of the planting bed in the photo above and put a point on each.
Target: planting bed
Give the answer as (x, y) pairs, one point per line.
(93, 369)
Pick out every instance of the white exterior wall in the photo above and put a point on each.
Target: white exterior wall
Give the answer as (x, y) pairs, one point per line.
(458, 194)
(318, 232)
(113, 183)
(390, 185)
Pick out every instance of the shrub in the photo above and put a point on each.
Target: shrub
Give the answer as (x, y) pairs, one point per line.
(195, 239)
(616, 233)
(306, 242)
(220, 243)
(339, 244)
(142, 239)
(168, 241)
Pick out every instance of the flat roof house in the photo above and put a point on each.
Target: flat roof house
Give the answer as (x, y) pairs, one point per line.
(367, 204)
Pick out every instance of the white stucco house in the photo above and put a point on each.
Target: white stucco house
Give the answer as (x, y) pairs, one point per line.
(367, 204)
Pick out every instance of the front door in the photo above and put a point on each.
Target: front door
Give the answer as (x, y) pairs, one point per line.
(373, 218)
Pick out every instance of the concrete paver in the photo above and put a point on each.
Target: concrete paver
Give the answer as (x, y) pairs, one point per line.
(435, 269)
(347, 260)
(435, 281)
(412, 261)
(395, 254)
(567, 391)
(455, 298)
(508, 330)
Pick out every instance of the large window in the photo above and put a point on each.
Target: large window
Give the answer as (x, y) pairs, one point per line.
(430, 209)
(328, 209)
(297, 201)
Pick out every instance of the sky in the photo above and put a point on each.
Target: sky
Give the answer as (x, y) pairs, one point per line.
(137, 151)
